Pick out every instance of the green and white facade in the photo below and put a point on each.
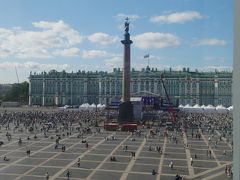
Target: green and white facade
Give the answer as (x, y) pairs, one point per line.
(187, 87)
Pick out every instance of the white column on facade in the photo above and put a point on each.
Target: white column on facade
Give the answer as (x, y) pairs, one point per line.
(64, 100)
(197, 92)
(180, 91)
(71, 92)
(30, 93)
(185, 87)
(215, 91)
(105, 91)
(110, 87)
(66, 91)
(115, 87)
(43, 92)
(185, 92)
(100, 91)
(56, 100)
(144, 86)
(155, 86)
(138, 85)
(236, 97)
(85, 90)
(132, 83)
(56, 92)
(60, 94)
(191, 93)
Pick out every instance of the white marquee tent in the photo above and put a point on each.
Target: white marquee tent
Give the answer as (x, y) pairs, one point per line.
(205, 109)
(93, 106)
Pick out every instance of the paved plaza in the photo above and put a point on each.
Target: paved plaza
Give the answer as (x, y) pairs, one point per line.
(95, 160)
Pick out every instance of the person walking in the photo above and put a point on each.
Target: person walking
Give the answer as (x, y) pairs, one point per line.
(78, 162)
(68, 175)
(133, 155)
(47, 176)
(171, 165)
(191, 160)
(154, 172)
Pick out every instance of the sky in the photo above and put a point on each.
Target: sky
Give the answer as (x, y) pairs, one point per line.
(74, 35)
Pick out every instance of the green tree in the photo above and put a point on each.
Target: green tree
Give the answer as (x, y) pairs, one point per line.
(18, 93)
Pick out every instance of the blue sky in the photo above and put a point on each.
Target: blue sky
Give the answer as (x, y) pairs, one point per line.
(85, 35)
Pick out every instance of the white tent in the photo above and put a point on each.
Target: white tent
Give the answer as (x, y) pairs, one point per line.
(209, 109)
(180, 106)
(187, 108)
(84, 106)
(221, 109)
(197, 108)
(93, 105)
(230, 108)
(205, 109)
(101, 106)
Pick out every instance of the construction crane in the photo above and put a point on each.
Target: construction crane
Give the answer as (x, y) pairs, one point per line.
(19, 99)
(16, 74)
(170, 105)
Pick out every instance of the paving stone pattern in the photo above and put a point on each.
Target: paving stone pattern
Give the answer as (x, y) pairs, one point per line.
(95, 160)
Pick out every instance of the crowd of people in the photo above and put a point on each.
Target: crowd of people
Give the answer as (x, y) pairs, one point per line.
(50, 118)
(82, 121)
(208, 121)
(62, 123)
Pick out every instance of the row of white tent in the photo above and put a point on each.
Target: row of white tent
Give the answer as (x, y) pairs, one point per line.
(205, 109)
(87, 106)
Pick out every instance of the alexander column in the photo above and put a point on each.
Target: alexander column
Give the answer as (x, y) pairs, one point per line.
(126, 107)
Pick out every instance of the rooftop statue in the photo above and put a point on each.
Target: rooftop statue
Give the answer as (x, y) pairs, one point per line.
(126, 25)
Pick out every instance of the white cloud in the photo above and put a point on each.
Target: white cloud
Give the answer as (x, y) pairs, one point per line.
(67, 52)
(40, 43)
(178, 17)
(122, 16)
(114, 62)
(90, 54)
(4, 33)
(33, 66)
(155, 40)
(68, 35)
(209, 42)
(103, 38)
(215, 59)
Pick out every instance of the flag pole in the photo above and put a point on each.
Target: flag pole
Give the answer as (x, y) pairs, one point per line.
(147, 56)
(148, 59)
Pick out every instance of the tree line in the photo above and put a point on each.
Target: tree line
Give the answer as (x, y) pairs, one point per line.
(18, 93)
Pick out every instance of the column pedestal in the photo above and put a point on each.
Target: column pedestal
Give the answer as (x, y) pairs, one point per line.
(125, 112)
